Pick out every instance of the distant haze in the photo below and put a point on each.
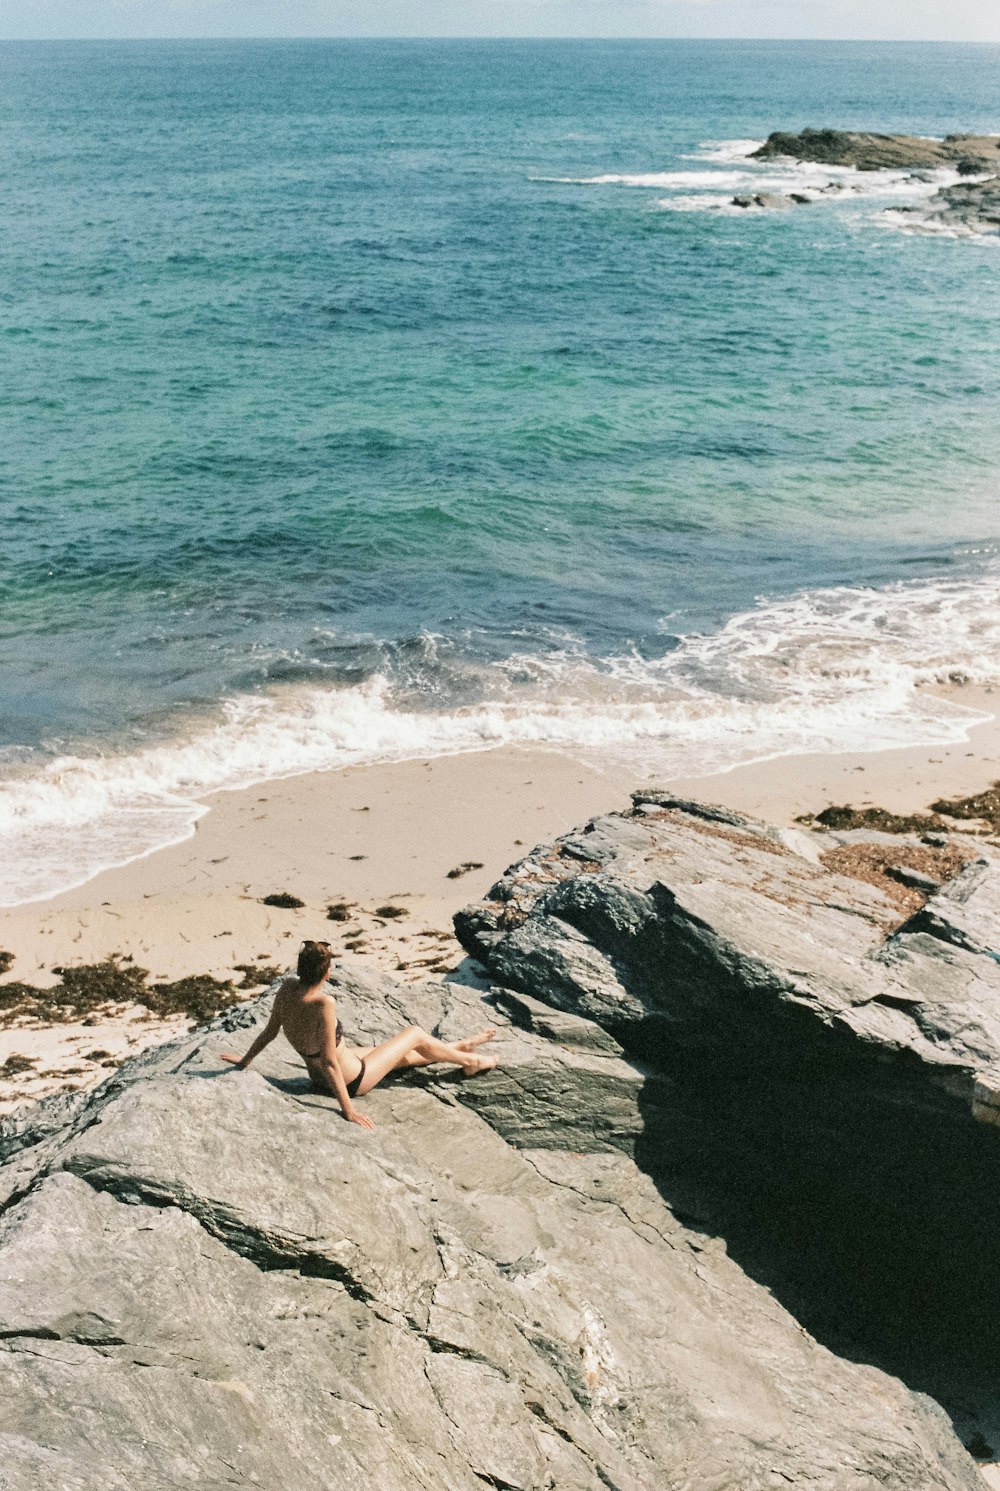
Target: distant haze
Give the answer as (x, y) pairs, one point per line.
(900, 20)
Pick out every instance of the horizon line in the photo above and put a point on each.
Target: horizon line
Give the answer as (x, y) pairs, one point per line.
(902, 41)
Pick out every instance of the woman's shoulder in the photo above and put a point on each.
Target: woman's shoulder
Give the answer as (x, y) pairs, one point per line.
(324, 997)
(287, 988)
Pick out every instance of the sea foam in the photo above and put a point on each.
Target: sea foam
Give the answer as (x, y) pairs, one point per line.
(712, 189)
(830, 670)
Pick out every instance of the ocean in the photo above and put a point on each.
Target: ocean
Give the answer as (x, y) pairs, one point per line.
(372, 400)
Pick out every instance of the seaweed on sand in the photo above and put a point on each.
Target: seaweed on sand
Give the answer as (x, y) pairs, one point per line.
(981, 806)
(257, 975)
(984, 805)
(16, 1065)
(90, 988)
(843, 816)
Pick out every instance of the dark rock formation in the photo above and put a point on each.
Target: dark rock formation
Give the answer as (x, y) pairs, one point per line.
(540, 1278)
(970, 205)
(871, 152)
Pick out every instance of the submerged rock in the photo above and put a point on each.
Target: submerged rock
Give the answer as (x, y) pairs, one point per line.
(874, 152)
(559, 1275)
(767, 199)
(970, 205)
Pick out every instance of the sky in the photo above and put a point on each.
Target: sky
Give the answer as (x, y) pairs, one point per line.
(915, 20)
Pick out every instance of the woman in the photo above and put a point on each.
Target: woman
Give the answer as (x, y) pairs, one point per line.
(305, 1009)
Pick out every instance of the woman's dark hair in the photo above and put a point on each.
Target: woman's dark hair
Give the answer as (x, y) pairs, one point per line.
(314, 962)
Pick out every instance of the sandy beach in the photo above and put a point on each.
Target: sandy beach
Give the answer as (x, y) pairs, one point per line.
(395, 850)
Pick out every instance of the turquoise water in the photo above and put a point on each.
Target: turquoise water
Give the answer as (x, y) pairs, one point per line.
(373, 399)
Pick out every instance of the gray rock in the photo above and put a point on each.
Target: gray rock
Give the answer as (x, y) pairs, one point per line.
(544, 1277)
(813, 1054)
(874, 152)
(766, 199)
(970, 205)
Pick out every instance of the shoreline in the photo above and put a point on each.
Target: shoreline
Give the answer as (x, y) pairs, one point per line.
(396, 849)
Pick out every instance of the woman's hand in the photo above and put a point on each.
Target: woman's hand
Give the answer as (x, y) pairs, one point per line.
(353, 1116)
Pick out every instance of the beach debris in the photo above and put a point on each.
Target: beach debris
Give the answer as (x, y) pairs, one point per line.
(463, 869)
(90, 988)
(6, 961)
(390, 913)
(984, 805)
(907, 873)
(16, 1065)
(283, 900)
(843, 816)
(198, 997)
(257, 976)
(340, 911)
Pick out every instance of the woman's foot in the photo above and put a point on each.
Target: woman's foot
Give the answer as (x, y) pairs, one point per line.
(472, 1041)
(477, 1064)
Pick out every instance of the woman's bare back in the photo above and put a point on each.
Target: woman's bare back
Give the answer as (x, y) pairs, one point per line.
(303, 1015)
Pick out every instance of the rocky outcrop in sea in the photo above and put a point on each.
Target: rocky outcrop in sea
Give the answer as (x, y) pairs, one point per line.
(968, 154)
(725, 1216)
(965, 206)
(969, 206)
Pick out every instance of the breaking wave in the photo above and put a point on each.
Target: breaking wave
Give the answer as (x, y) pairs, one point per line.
(830, 670)
(710, 186)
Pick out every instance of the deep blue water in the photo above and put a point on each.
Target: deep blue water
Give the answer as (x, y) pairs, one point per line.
(326, 362)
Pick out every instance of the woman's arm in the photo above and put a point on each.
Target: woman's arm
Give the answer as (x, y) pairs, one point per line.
(330, 1063)
(266, 1036)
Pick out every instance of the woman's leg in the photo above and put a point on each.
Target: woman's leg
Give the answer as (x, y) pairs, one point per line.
(467, 1043)
(414, 1042)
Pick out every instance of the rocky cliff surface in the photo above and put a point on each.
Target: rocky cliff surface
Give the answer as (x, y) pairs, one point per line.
(578, 1271)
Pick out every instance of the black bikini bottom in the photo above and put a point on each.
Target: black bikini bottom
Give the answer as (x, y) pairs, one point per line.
(320, 1085)
(352, 1087)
